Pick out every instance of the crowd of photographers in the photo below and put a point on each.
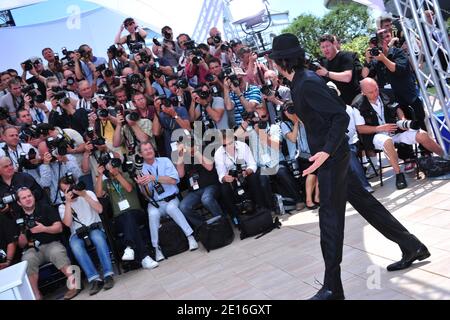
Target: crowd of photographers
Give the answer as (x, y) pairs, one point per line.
(154, 131)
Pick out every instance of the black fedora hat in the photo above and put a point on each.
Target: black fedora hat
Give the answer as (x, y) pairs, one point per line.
(286, 46)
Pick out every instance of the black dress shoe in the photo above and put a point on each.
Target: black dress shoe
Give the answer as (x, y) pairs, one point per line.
(400, 181)
(109, 283)
(420, 254)
(326, 294)
(313, 207)
(96, 286)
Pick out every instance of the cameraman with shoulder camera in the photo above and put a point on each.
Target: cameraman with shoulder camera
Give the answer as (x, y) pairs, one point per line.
(80, 213)
(240, 96)
(160, 178)
(56, 164)
(208, 109)
(126, 208)
(382, 124)
(40, 239)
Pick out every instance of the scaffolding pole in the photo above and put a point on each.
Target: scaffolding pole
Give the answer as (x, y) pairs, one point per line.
(432, 72)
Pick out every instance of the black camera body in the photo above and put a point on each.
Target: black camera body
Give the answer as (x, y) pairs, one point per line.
(134, 78)
(182, 83)
(28, 65)
(289, 107)
(134, 169)
(4, 114)
(294, 168)
(84, 231)
(7, 199)
(59, 145)
(135, 47)
(217, 39)
(312, 63)
(375, 51)
(25, 160)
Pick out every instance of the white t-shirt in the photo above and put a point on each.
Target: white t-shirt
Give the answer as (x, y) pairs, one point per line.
(352, 134)
(85, 213)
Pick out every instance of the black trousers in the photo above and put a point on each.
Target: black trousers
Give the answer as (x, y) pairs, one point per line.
(128, 223)
(338, 184)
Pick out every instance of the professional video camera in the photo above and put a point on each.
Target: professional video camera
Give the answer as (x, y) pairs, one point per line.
(7, 199)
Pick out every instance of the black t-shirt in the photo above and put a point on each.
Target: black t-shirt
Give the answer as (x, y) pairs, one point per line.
(41, 86)
(46, 215)
(344, 61)
(206, 178)
(8, 232)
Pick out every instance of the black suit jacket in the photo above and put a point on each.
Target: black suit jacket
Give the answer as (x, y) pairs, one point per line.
(322, 112)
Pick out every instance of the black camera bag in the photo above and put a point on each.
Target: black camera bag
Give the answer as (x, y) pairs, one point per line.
(172, 239)
(434, 166)
(260, 222)
(216, 233)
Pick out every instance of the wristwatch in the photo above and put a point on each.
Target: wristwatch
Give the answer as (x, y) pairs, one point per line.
(176, 117)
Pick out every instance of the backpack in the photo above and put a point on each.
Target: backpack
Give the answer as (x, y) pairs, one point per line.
(215, 233)
(259, 222)
(172, 239)
(434, 166)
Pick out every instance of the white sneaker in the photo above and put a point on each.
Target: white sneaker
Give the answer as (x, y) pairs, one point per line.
(370, 173)
(158, 254)
(149, 263)
(193, 245)
(128, 254)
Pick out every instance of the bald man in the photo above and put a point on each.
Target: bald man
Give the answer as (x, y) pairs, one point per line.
(376, 120)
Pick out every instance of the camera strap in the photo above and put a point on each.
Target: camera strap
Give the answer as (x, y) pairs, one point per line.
(57, 188)
(75, 218)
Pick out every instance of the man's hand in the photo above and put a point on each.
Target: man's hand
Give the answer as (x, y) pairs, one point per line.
(145, 180)
(40, 228)
(322, 72)
(293, 117)
(381, 57)
(47, 158)
(228, 179)
(170, 111)
(89, 147)
(82, 193)
(318, 159)
(247, 172)
(388, 127)
(101, 170)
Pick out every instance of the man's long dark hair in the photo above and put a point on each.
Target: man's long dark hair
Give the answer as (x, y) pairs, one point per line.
(291, 64)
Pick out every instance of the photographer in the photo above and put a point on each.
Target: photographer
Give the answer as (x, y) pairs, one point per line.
(87, 96)
(240, 96)
(70, 117)
(40, 239)
(214, 77)
(15, 150)
(294, 133)
(131, 130)
(265, 143)
(249, 63)
(160, 178)
(382, 125)
(339, 67)
(169, 51)
(126, 209)
(8, 242)
(196, 66)
(208, 109)
(39, 74)
(236, 168)
(275, 94)
(170, 119)
(203, 184)
(86, 63)
(136, 34)
(4, 79)
(11, 181)
(56, 165)
(14, 99)
(80, 213)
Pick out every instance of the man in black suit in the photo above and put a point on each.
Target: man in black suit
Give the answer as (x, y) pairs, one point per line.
(326, 121)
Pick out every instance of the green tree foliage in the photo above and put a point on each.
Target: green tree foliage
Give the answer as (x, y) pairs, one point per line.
(358, 45)
(347, 21)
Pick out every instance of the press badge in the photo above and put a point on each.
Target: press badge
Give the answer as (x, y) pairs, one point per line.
(124, 205)
(194, 183)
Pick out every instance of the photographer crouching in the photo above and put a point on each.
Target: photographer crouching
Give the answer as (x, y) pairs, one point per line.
(80, 213)
(40, 239)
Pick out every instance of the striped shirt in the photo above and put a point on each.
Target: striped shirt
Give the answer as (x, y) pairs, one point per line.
(253, 94)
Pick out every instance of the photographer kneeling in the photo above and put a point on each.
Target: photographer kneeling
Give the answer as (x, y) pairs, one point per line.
(81, 214)
(40, 238)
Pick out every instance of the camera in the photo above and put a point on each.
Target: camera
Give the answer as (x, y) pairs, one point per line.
(90, 133)
(106, 158)
(156, 42)
(226, 72)
(25, 159)
(30, 221)
(101, 68)
(30, 89)
(294, 168)
(63, 97)
(103, 113)
(70, 81)
(109, 73)
(311, 63)
(202, 94)
(225, 47)
(197, 59)
(134, 169)
(134, 78)
(28, 65)
(217, 39)
(59, 145)
(135, 47)
(263, 53)
(182, 83)
(375, 51)
(289, 107)
(83, 233)
(2, 256)
(408, 124)
(113, 51)
(267, 88)
(209, 77)
(145, 58)
(215, 91)
(133, 116)
(30, 132)
(235, 80)
(190, 45)
(8, 199)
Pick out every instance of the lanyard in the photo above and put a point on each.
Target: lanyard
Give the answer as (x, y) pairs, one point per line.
(235, 155)
(118, 188)
(380, 117)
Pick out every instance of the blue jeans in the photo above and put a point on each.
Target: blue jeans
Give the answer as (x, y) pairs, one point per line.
(98, 239)
(208, 197)
(356, 167)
